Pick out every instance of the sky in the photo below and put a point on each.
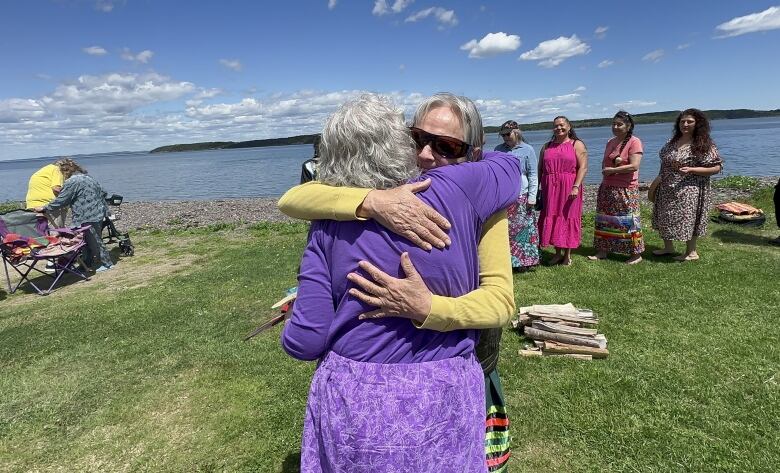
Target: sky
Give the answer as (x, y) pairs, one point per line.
(89, 76)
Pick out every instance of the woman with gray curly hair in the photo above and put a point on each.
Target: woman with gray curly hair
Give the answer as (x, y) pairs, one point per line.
(387, 395)
(87, 201)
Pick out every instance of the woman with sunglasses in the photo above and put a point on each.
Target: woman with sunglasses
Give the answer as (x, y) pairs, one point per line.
(447, 130)
(563, 162)
(618, 226)
(523, 234)
(385, 393)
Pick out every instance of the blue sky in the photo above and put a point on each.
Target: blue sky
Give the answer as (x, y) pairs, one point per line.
(82, 76)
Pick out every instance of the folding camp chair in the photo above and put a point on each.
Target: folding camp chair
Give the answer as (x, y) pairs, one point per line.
(27, 241)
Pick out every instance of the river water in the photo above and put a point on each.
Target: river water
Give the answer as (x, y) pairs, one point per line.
(749, 146)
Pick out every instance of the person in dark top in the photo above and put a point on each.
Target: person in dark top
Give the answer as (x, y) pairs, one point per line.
(309, 167)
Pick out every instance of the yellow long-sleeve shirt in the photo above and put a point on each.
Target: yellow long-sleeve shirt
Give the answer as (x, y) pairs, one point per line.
(491, 305)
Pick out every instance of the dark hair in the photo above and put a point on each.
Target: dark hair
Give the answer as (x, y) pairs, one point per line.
(626, 117)
(572, 133)
(316, 145)
(701, 143)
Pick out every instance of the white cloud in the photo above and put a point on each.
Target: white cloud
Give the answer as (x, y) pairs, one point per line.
(654, 56)
(233, 64)
(766, 20)
(492, 44)
(605, 63)
(442, 16)
(381, 7)
(634, 104)
(601, 32)
(402, 67)
(580, 89)
(553, 52)
(208, 93)
(95, 51)
(683, 46)
(142, 57)
(331, 4)
(106, 6)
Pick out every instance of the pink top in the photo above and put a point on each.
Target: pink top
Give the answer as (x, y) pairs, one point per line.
(633, 146)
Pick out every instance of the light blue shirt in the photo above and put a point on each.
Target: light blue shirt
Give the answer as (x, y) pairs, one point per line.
(529, 183)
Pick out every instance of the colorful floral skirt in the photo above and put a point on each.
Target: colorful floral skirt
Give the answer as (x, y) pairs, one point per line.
(523, 234)
(618, 227)
(497, 436)
(410, 417)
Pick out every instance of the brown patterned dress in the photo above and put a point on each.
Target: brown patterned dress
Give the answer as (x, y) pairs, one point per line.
(682, 201)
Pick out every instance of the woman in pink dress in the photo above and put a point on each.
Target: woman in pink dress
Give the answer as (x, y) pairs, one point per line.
(563, 163)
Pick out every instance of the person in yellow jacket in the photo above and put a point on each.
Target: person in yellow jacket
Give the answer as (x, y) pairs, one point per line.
(44, 186)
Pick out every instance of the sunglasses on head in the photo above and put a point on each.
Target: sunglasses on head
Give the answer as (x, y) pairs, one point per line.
(445, 146)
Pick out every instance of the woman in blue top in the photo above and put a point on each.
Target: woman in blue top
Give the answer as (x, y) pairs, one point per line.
(523, 234)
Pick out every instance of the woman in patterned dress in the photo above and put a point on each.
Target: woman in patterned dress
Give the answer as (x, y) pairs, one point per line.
(683, 195)
(563, 163)
(618, 227)
(523, 234)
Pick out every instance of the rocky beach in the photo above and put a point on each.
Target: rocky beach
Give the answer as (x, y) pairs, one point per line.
(202, 213)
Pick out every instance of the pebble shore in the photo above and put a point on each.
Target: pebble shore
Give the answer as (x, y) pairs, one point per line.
(201, 213)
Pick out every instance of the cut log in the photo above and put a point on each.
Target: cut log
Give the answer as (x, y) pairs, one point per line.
(530, 352)
(562, 348)
(537, 334)
(557, 318)
(572, 355)
(560, 328)
(538, 343)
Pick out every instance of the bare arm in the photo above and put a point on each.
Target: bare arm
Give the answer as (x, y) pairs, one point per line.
(582, 166)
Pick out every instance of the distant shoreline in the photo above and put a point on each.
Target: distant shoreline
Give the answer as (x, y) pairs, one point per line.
(640, 119)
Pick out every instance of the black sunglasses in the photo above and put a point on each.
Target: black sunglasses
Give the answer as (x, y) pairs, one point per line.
(445, 146)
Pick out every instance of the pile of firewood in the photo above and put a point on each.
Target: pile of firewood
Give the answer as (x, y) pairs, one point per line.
(561, 330)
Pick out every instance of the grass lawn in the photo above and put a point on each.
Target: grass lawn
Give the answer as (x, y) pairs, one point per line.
(143, 368)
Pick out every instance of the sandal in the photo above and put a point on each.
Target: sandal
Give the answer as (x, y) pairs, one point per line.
(555, 260)
(688, 257)
(565, 262)
(597, 256)
(634, 259)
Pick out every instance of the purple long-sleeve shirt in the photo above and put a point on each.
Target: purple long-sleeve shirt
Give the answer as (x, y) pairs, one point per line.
(325, 316)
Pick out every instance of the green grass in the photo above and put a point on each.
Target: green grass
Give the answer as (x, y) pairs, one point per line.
(746, 183)
(10, 205)
(143, 368)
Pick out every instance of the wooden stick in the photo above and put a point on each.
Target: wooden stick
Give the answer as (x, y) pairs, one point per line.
(562, 338)
(561, 348)
(556, 318)
(285, 300)
(559, 328)
(572, 355)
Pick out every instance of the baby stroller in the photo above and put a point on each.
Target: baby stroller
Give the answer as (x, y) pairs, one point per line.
(110, 234)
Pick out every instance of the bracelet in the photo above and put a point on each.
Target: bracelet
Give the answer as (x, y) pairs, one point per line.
(576, 185)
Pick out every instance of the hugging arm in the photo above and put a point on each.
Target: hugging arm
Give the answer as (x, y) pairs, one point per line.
(305, 335)
(491, 305)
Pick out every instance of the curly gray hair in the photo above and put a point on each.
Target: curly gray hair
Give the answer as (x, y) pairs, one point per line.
(464, 108)
(365, 143)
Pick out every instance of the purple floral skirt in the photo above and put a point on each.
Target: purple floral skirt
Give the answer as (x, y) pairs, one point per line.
(370, 417)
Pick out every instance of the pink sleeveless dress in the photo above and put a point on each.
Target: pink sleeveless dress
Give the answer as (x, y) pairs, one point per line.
(560, 221)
